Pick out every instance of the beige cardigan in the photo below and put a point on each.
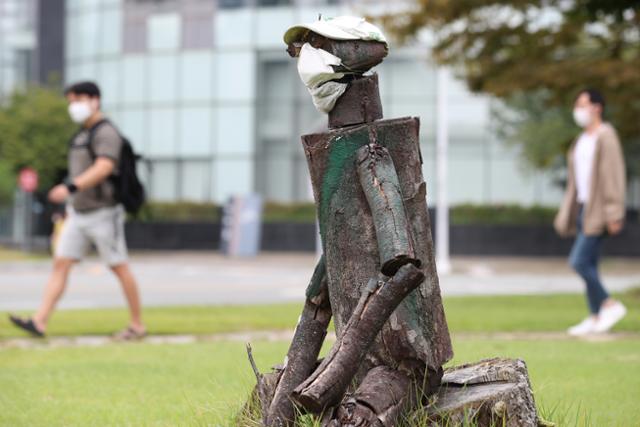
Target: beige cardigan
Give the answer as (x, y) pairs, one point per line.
(607, 192)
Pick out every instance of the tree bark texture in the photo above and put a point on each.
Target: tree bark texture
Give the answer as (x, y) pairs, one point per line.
(385, 395)
(360, 103)
(303, 352)
(417, 328)
(328, 383)
(487, 393)
(381, 188)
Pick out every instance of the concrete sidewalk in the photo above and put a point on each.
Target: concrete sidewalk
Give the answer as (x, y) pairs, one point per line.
(204, 278)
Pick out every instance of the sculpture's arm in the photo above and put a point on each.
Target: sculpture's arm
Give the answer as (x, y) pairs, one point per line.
(381, 187)
(302, 357)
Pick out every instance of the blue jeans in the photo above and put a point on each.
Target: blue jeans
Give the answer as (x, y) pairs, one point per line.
(584, 260)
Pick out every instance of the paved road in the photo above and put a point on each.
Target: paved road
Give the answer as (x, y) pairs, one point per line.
(209, 278)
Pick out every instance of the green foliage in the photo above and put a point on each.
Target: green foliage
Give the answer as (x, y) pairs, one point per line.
(542, 133)
(305, 212)
(520, 48)
(290, 212)
(501, 214)
(7, 183)
(179, 211)
(34, 131)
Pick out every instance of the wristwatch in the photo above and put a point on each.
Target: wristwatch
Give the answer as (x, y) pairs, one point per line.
(71, 186)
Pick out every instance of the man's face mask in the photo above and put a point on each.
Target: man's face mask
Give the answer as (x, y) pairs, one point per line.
(315, 67)
(80, 111)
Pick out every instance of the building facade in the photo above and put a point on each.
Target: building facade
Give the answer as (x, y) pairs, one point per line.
(206, 92)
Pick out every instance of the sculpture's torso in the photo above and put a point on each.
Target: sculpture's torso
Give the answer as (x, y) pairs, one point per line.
(349, 237)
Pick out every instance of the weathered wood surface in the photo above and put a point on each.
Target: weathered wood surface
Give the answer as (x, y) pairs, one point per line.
(303, 352)
(417, 329)
(490, 392)
(261, 395)
(381, 188)
(385, 395)
(328, 383)
(360, 103)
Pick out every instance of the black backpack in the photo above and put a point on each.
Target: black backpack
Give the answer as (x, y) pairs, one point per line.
(128, 188)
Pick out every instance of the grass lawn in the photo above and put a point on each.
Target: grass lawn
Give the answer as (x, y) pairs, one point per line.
(16, 255)
(539, 313)
(577, 383)
(588, 383)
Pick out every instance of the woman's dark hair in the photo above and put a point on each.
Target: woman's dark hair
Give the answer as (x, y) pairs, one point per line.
(83, 88)
(595, 97)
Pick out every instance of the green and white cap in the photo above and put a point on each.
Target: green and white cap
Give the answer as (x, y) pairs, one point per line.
(338, 28)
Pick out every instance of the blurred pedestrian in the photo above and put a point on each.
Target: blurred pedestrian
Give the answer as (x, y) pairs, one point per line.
(593, 206)
(94, 214)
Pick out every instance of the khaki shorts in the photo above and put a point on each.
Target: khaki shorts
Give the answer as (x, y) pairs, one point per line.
(104, 228)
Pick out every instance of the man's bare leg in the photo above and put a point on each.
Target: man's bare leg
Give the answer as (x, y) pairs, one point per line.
(130, 289)
(53, 291)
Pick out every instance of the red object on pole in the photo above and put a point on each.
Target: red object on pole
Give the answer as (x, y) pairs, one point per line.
(28, 180)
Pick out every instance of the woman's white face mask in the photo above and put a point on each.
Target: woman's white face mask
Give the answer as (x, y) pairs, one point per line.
(80, 111)
(582, 116)
(315, 67)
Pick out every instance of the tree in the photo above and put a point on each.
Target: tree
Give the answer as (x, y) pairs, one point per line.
(34, 131)
(540, 49)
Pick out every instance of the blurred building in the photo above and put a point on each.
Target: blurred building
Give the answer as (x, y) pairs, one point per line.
(205, 90)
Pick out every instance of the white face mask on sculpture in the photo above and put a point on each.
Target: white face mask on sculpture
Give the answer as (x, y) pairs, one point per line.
(582, 116)
(315, 67)
(79, 111)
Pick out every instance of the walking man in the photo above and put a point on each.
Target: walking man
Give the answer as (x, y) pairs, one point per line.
(94, 215)
(593, 206)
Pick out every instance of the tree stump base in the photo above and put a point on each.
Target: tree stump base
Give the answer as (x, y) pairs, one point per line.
(491, 392)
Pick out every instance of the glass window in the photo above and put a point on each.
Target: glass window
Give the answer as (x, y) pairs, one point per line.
(273, 2)
(196, 76)
(235, 76)
(275, 167)
(232, 177)
(228, 4)
(163, 181)
(232, 28)
(507, 182)
(164, 31)
(133, 125)
(196, 181)
(71, 73)
(198, 32)
(235, 133)
(408, 79)
(195, 131)
(134, 77)
(468, 119)
(88, 71)
(88, 33)
(109, 82)
(162, 132)
(163, 78)
(270, 24)
(109, 3)
(73, 4)
(72, 41)
(111, 34)
(135, 34)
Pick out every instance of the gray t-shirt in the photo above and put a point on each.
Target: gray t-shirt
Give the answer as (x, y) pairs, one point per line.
(106, 143)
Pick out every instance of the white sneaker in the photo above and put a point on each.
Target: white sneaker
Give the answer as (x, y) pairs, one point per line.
(609, 316)
(585, 327)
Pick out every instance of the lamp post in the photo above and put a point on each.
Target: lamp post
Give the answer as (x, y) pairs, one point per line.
(443, 261)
